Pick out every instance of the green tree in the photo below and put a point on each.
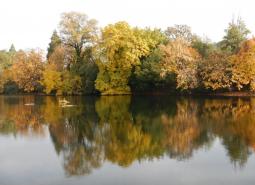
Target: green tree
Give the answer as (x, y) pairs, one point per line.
(236, 34)
(12, 49)
(55, 41)
(146, 76)
(203, 46)
(71, 84)
(88, 71)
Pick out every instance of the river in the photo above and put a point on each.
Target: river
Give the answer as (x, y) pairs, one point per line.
(124, 140)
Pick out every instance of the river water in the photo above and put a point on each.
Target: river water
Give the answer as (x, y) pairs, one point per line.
(124, 140)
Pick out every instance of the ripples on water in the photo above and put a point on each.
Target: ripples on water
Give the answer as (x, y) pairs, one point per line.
(127, 140)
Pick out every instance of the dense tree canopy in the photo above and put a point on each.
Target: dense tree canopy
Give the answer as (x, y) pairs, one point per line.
(216, 71)
(244, 66)
(121, 59)
(181, 59)
(27, 70)
(121, 49)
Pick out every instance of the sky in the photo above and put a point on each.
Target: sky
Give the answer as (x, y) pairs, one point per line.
(29, 23)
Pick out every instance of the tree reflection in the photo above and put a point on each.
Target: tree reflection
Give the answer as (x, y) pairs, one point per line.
(123, 129)
(18, 117)
(124, 140)
(183, 130)
(232, 120)
(78, 138)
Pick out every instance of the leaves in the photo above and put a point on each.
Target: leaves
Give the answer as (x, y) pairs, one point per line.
(27, 70)
(121, 48)
(62, 83)
(54, 43)
(78, 32)
(236, 33)
(244, 66)
(51, 79)
(121, 59)
(216, 71)
(181, 59)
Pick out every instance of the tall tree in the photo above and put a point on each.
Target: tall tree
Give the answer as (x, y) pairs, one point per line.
(12, 49)
(182, 60)
(181, 32)
(244, 66)
(146, 76)
(236, 33)
(27, 70)
(216, 71)
(78, 32)
(55, 41)
(88, 71)
(120, 50)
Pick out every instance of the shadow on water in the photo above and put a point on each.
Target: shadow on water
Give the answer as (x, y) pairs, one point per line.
(124, 129)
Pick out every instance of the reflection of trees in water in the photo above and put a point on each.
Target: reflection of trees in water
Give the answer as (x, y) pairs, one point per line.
(183, 130)
(124, 141)
(176, 124)
(78, 138)
(122, 130)
(16, 118)
(233, 121)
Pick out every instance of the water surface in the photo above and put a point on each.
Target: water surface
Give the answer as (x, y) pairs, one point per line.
(127, 140)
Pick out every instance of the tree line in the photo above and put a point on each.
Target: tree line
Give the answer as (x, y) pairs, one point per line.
(120, 59)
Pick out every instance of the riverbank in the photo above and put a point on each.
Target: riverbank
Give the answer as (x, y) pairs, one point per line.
(213, 94)
(233, 94)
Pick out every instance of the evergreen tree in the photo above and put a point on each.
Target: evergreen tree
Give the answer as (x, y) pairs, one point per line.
(12, 49)
(55, 41)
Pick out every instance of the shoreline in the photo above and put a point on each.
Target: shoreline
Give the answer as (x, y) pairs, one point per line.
(213, 94)
(233, 94)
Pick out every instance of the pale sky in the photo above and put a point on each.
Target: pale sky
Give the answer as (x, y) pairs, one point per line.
(30, 23)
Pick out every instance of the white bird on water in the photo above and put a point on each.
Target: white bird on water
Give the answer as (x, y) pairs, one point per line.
(29, 104)
(64, 103)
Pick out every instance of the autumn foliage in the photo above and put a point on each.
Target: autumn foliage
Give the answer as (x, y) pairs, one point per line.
(244, 66)
(121, 59)
(27, 70)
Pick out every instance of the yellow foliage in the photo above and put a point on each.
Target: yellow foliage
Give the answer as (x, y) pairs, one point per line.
(51, 79)
(121, 48)
(244, 66)
(27, 70)
(63, 83)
